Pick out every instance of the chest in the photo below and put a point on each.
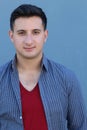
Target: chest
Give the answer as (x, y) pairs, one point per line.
(32, 109)
(29, 79)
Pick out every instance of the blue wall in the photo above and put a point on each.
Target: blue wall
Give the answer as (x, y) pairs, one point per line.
(67, 41)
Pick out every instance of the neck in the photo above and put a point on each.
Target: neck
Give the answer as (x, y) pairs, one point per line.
(29, 64)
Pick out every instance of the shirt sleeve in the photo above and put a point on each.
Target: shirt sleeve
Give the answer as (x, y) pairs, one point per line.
(77, 116)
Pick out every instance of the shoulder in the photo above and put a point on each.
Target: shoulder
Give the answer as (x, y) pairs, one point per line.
(63, 75)
(5, 68)
(59, 68)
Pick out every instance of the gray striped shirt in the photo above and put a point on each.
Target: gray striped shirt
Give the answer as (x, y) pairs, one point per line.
(60, 93)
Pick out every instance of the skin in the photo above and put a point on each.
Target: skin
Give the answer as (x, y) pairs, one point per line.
(28, 37)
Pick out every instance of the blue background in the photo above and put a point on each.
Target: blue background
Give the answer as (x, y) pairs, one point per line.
(67, 41)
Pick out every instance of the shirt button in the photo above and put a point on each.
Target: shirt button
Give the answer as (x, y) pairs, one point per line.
(20, 117)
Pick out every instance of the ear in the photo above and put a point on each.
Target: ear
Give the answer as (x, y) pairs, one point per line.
(46, 35)
(11, 35)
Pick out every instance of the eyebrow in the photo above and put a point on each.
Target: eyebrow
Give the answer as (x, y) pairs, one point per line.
(39, 30)
(21, 30)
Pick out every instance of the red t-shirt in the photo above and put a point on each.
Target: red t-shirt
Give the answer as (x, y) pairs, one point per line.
(32, 109)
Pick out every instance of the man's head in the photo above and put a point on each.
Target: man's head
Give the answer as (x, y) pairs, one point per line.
(28, 31)
(25, 11)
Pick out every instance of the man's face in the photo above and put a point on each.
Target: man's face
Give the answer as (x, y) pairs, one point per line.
(28, 37)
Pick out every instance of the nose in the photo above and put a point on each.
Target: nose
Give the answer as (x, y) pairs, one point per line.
(28, 39)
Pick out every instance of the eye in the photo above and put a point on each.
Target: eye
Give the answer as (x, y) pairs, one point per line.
(21, 33)
(36, 32)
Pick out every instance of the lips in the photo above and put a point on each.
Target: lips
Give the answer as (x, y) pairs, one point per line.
(29, 48)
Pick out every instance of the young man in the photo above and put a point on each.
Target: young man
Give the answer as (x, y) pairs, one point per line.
(36, 93)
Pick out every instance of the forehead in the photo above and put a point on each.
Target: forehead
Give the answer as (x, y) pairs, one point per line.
(28, 23)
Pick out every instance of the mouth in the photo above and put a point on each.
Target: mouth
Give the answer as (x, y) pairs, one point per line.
(29, 48)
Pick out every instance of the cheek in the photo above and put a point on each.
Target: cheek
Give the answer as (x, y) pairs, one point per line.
(41, 39)
(16, 43)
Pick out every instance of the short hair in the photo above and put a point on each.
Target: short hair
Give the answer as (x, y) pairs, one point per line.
(27, 10)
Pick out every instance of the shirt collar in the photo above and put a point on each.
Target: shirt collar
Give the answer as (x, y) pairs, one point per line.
(44, 62)
(14, 62)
